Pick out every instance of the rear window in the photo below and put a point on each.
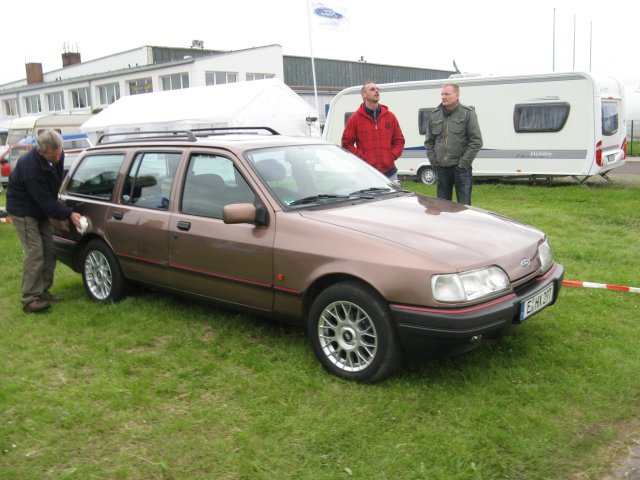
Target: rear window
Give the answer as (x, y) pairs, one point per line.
(96, 176)
(609, 118)
(540, 117)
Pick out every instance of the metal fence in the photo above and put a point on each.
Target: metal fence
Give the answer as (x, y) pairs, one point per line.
(633, 135)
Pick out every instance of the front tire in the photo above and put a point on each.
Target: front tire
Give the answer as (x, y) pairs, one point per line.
(352, 334)
(101, 273)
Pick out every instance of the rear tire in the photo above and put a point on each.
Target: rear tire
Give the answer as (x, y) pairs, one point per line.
(352, 334)
(101, 273)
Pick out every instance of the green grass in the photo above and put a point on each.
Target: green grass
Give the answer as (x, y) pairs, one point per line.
(160, 388)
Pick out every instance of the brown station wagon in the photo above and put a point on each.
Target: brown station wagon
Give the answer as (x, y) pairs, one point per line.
(298, 229)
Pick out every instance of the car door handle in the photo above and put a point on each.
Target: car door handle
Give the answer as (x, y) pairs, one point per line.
(118, 215)
(182, 225)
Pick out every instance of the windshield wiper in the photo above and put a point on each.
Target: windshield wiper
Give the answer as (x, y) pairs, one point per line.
(315, 198)
(371, 190)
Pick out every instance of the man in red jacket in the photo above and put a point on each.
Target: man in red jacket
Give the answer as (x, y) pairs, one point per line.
(373, 133)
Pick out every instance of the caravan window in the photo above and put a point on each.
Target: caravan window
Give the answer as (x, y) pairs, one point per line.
(423, 119)
(347, 115)
(609, 118)
(540, 117)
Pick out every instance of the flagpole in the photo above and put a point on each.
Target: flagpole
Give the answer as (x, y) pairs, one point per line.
(313, 63)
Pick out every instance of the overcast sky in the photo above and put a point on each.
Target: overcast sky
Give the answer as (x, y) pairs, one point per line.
(491, 37)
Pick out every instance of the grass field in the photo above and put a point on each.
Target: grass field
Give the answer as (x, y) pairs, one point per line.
(160, 388)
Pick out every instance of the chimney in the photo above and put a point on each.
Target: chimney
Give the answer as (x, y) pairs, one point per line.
(70, 58)
(34, 73)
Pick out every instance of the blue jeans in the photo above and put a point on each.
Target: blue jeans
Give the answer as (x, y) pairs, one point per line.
(454, 176)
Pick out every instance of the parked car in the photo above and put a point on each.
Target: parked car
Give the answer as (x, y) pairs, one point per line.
(9, 157)
(298, 229)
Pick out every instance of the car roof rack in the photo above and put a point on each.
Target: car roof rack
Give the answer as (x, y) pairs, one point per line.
(224, 130)
(149, 136)
(188, 135)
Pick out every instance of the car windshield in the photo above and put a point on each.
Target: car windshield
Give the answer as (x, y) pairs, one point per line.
(308, 175)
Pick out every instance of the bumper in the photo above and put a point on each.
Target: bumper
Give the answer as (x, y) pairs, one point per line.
(418, 325)
(65, 251)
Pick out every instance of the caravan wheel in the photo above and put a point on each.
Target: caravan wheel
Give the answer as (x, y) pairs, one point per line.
(427, 176)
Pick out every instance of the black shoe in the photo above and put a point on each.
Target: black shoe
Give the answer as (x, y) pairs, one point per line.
(36, 306)
(48, 297)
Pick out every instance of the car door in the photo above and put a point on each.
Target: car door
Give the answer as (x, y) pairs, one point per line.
(226, 262)
(137, 226)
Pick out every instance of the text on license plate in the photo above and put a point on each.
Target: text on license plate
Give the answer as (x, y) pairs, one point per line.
(536, 303)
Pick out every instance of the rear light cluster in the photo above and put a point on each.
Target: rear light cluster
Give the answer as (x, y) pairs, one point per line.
(599, 153)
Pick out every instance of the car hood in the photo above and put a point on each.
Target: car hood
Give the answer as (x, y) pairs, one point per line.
(453, 236)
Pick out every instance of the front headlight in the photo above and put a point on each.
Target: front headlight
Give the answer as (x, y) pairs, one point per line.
(546, 257)
(467, 286)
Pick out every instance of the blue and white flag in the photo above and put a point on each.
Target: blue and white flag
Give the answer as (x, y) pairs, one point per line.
(328, 16)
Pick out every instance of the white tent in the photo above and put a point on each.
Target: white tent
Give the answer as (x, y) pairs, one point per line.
(263, 103)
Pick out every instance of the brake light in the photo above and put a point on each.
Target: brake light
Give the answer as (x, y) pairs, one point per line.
(624, 148)
(599, 153)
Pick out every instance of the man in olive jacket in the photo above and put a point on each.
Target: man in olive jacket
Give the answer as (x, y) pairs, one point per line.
(452, 142)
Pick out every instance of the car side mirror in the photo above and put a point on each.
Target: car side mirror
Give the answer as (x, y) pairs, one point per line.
(245, 213)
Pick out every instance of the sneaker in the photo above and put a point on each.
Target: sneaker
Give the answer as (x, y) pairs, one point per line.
(48, 297)
(36, 306)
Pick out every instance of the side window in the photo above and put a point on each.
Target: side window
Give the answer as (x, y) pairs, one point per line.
(540, 117)
(212, 181)
(96, 176)
(347, 115)
(609, 118)
(423, 118)
(150, 178)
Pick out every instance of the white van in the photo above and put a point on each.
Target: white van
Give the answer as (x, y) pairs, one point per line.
(545, 125)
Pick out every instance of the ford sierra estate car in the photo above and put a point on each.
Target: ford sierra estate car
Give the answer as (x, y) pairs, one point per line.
(299, 230)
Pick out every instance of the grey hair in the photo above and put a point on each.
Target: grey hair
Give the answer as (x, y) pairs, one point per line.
(48, 139)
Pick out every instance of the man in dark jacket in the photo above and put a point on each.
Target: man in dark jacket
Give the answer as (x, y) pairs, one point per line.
(32, 198)
(452, 142)
(373, 133)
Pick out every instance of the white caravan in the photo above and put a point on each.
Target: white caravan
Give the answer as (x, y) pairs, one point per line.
(546, 125)
(30, 126)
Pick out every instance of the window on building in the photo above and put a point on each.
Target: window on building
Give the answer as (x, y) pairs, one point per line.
(79, 98)
(32, 104)
(108, 93)
(540, 117)
(55, 101)
(218, 78)
(141, 85)
(10, 107)
(259, 76)
(175, 81)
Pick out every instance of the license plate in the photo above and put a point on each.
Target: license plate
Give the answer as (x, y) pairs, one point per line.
(536, 302)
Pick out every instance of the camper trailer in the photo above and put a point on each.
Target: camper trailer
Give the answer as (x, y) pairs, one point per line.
(545, 125)
(31, 126)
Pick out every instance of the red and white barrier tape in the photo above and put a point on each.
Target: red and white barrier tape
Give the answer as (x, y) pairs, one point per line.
(5, 220)
(573, 283)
